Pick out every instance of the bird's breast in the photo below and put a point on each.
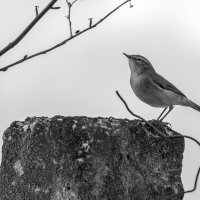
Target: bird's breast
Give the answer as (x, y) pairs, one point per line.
(135, 81)
(145, 91)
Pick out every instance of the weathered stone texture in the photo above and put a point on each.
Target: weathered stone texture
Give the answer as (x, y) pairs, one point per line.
(81, 158)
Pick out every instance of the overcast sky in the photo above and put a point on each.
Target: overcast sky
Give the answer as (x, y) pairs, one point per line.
(81, 77)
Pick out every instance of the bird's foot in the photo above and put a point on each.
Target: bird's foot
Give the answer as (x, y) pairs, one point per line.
(161, 122)
(167, 124)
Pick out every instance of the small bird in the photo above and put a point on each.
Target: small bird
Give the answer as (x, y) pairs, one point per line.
(153, 89)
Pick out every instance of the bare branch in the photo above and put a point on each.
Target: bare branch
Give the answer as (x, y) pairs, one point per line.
(36, 10)
(197, 174)
(69, 4)
(69, 17)
(178, 135)
(27, 29)
(55, 8)
(90, 24)
(64, 41)
(110, 13)
(130, 4)
(74, 1)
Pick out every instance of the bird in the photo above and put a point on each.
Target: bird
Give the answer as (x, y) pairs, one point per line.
(153, 89)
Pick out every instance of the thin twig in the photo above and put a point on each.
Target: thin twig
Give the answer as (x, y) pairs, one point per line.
(144, 120)
(178, 135)
(27, 29)
(64, 41)
(90, 23)
(74, 1)
(130, 4)
(36, 10)
(188, 191)
(197, 174)
(69, 17)
(55, 8)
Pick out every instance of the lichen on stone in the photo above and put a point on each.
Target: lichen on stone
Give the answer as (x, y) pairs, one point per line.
(82, 158)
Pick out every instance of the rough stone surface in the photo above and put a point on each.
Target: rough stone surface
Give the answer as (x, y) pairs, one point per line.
(81, 158)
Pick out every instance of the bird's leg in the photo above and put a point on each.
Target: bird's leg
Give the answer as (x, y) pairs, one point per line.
(170, 109)
(162, 113)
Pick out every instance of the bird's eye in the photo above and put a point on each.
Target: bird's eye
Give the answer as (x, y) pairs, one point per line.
(138, 59)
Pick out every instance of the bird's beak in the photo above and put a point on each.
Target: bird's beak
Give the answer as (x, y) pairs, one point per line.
(128, 56)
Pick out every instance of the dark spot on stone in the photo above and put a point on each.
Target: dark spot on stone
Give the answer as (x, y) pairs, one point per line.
(68, 187)
(169, 191)
(128, 157)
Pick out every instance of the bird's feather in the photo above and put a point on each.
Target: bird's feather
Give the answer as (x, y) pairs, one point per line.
(164, 84)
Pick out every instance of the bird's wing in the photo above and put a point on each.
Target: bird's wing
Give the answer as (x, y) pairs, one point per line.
(165, 84)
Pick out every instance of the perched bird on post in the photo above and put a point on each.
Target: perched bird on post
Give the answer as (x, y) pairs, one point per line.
(153, 89)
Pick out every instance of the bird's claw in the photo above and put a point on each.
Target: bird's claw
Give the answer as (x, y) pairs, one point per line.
(167, 124)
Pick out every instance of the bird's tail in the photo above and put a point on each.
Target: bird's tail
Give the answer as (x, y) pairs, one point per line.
(191, 104)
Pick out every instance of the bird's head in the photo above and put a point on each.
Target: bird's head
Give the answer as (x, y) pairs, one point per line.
(139, 64)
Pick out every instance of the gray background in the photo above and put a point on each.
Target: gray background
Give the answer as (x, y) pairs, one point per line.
(81, 77)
